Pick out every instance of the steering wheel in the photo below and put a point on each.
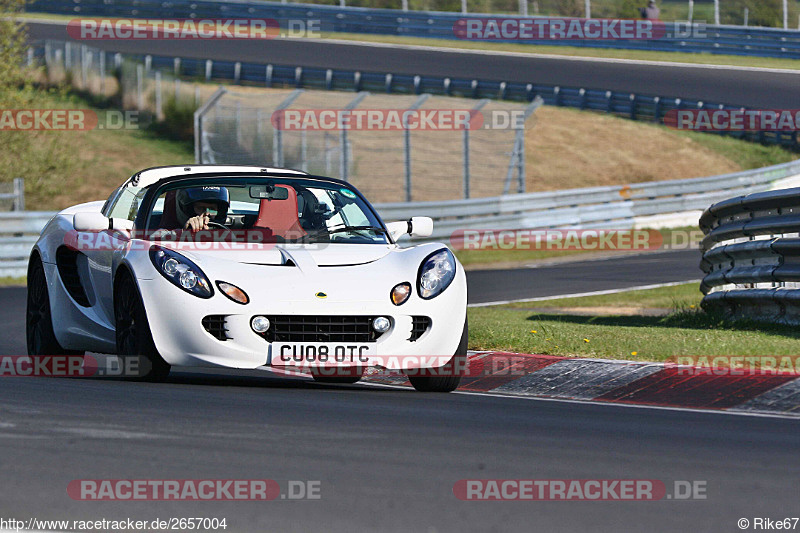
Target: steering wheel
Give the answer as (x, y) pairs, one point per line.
(218, 225)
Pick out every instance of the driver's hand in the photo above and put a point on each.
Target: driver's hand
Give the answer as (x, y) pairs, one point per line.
(200, 222)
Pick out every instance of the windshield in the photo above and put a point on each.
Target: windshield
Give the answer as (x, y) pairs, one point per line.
(276, 209)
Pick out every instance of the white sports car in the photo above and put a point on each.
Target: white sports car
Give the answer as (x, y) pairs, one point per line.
(247, 267)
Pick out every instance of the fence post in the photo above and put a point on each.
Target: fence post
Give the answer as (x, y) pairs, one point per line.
(19, 194)
(407, 142)
(102, 72)
(83, 66)
(464, 6)
(465, 145)
(159, 102)
(67, 56)
(198, 120)
(523, 8)
(139, 87)
(405, 5)
(117, 60)
(344, 164)
(177, 87)
(588, 8)
(176, 66)
(148, 63)
(277, 135)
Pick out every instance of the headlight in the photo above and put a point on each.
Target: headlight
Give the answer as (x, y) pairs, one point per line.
(181, 272)
(436, 274)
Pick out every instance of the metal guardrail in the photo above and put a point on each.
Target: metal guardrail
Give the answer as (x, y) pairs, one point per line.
(751, 256)
(641, 205)
(633, 106)
(19, 230)
(17, 194)
(735, 40)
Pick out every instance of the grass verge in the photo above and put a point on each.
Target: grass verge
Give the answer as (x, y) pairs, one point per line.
(684, 332)
(12, 282)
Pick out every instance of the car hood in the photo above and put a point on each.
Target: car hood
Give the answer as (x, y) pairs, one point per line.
(301, 255)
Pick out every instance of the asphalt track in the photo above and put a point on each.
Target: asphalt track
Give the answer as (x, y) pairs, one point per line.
(751, 88)
(386, 459)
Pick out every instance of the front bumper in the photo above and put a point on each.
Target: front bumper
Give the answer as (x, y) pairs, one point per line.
(176, 322)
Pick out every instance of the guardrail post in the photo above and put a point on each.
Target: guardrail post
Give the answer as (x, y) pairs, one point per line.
(557, 95)
(633, 106)
(298, 77)
(529, 92)
(388, 83)
(502, 92)
(657, 109)
(209, 66)
(357, 81)
(446, 86)
(329, 79)
(417, 85)
(19, 194)
(474, 88)
(237, 72)
(117, 60)
(609, 102)
(582, 94)
(148, 63)
(268, 76)
(176, 66)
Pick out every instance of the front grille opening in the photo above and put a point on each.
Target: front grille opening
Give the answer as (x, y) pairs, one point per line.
(315, 328)
(419, 325)
(215, 325)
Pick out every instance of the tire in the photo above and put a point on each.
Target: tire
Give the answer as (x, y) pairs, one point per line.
(135, 346)
(39, 334)
(446, 383)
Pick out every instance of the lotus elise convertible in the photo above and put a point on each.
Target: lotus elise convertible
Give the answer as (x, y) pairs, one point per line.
(247, 267)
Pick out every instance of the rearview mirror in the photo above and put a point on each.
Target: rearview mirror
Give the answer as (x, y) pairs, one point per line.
(269, 192)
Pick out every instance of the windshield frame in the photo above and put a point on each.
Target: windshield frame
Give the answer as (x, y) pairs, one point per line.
(232, 179)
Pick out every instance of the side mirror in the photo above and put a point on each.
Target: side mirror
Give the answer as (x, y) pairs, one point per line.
(90, 221)
(416, 227)
(93, 221)
(421, 226)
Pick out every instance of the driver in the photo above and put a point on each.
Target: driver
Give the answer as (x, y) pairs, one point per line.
(195, 207)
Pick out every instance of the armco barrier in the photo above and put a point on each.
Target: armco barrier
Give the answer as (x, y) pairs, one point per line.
(751, 256)
(641, 205)
(633, 106)
(736, 40)
(18, 233)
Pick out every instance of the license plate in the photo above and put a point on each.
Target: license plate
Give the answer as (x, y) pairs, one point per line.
(330, 353)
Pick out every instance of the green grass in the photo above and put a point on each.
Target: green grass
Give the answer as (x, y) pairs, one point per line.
(682, 297)
(687, 331)
(626, 337)
(12, 282)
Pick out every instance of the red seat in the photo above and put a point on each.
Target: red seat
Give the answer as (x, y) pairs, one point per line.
(169, 218)
(280, 216)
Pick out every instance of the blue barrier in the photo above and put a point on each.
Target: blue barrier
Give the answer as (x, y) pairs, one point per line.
(732, 40)
(640, 107)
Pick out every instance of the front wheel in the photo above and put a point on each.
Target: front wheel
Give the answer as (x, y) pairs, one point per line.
(135, 346)
(39, 334)
(452, 370)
